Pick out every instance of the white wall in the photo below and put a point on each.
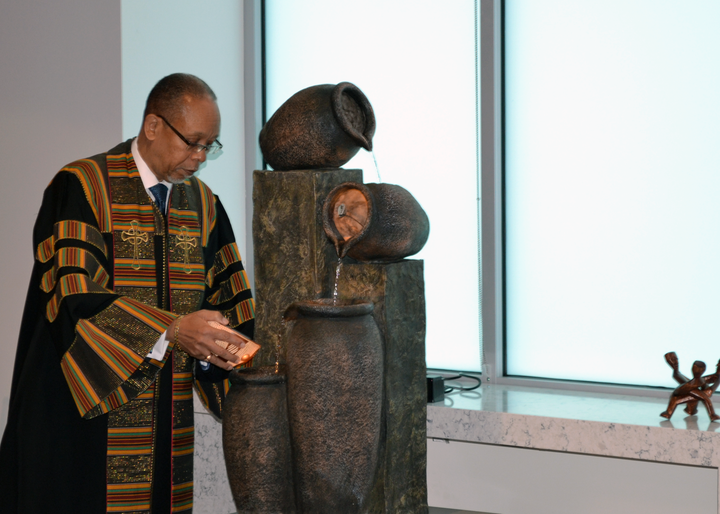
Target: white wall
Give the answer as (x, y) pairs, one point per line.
(508, 480)
(59, 101)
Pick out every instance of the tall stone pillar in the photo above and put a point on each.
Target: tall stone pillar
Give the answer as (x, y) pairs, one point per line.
(293, 258)
(398, 291)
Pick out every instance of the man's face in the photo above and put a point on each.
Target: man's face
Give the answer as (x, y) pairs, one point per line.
(198, 122)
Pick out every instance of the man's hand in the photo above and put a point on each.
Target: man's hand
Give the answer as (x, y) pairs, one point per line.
(198, 338)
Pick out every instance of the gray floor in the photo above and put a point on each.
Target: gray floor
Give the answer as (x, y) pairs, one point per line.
(438, 510)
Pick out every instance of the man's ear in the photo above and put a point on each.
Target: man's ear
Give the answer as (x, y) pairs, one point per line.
(151, 125)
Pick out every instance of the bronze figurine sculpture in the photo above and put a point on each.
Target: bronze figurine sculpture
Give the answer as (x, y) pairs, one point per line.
(693, 390)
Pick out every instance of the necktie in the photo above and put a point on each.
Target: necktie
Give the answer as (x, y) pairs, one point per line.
(159, 191)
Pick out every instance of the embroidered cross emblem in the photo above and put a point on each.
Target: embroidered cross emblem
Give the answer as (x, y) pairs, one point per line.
(185, 241)
(135, 236)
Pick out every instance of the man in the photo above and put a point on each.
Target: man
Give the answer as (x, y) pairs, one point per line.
(115, 331)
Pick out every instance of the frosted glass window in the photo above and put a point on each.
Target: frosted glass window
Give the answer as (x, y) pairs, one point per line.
(416, 63)
(612, 188)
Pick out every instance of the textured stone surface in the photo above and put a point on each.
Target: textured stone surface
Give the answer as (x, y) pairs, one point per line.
(395, 227)
(399, 294)
(335, 400)
(256, 440)
(293, 258)
(321, 126)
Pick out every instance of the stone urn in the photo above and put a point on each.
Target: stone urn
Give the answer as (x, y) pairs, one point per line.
(335, 394)
(256, 441)
(374, 222)
(322, 126)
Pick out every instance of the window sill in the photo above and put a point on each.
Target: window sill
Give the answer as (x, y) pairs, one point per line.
(600, 424)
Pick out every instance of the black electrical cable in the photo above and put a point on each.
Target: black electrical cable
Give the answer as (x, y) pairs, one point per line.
(450, 389)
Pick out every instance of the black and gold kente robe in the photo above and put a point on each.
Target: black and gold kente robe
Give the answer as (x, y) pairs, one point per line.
(94, 425)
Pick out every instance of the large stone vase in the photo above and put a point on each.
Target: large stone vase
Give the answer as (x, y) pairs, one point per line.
(374, 222)
(256, 441)
(321, 126)
(335, 390)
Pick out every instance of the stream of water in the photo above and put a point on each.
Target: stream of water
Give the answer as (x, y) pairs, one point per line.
(377, 170)
(337, 279)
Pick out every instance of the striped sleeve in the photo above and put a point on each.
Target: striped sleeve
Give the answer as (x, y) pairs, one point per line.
(227, 277)
(88, 173)
(72, 258)
(105, 366)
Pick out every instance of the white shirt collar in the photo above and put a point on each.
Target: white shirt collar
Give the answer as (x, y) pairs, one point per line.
(146, 175)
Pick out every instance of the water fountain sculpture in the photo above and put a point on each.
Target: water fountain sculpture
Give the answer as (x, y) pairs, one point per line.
(333, 417)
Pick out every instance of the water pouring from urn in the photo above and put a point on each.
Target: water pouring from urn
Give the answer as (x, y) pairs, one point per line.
(374, 222)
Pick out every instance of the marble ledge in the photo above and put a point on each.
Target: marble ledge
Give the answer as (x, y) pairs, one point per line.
(211, 493)
(585, 423)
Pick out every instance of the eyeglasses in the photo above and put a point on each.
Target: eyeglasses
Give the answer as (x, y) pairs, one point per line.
(213, 148)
